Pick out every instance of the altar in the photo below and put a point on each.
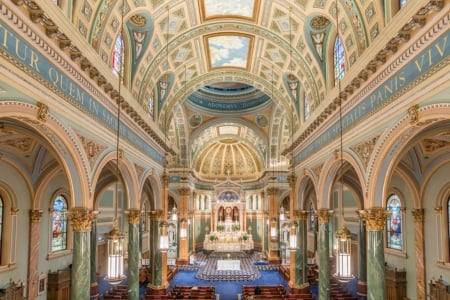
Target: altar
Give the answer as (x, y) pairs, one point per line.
(228, 242)
(228, 265)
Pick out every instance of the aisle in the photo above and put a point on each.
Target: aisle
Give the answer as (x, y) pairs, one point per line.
(228, 290)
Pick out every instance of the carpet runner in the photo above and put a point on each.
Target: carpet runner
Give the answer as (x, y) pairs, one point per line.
(207, 267)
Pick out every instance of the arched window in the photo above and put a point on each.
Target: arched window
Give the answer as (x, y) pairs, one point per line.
(144, 218)
(117, 55)
(307, 107)
(151, 105)
(339, 60)
(403, 3)
(394, 223)
(448, 226)
(59, 224)
(1, 227)
(312, 218)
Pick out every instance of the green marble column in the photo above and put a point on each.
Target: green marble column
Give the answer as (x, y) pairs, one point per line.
(93, 278)
(375, 221)
(81, 221)
(134, 216)
(301, 255)
(324, 248)
(362, 258)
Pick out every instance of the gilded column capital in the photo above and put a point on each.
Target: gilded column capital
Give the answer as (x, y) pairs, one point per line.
(324, 215)
(81, 218)
(375, 218)
(35, 215)
(134, 216)
(272, 191)
(155, 215)
(14, 211)
(184, 191)
(301, 215)
(419, 215)
(165, 179)
(292, 179)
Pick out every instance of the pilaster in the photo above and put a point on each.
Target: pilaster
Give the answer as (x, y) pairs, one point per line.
(33, 256)
(419, 242)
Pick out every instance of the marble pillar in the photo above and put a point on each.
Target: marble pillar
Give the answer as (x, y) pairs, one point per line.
(274, 253)
(93, 278)
(158, 269)
(323, 216)
(299, 265)
(134, 217)
(362, 257)
(375, 221)
(81, 220)
(33, 254)
(419, 242)
(182, 225)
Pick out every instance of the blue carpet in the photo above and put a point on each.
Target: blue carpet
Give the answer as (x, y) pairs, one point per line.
(228, 290)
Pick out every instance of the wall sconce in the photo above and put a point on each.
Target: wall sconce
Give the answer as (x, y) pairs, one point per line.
(293, 236)
(273, 229)
(183, 229)
(343, 254)
(163, 237)
(115, 256)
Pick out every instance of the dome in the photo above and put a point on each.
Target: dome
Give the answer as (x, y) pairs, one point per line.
(228, 158)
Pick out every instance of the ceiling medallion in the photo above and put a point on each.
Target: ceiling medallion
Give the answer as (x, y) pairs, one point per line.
(262, 121)
(138, 20)
(319, 22)
(195, 120)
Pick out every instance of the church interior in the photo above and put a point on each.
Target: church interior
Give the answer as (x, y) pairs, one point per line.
(141, 138)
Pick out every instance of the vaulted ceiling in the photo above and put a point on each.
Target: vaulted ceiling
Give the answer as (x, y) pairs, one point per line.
(226, 81)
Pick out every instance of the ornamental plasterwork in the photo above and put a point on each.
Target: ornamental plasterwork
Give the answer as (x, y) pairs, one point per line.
(317, 170)
(431, 146)
(92, 148)
(365, 149)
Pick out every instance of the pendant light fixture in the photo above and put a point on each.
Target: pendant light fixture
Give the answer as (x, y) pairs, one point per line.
(343, 235)
(115, 239)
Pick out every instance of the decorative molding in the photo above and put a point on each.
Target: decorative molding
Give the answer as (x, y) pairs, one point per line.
(365, 149)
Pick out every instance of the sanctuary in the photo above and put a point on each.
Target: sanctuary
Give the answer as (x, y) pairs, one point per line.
(227, 220)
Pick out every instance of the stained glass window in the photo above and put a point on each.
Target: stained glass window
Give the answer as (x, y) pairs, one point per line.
(59, 224)
(312, 218)
(151, 105)
(394, 223)
(117, 55)
(144, 218)
(339, 60)
(307, 107)
(403, 3)
(448, 222)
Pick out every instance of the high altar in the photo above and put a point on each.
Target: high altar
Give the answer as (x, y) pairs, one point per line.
(228, 220)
